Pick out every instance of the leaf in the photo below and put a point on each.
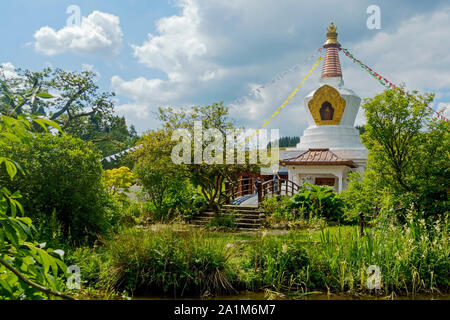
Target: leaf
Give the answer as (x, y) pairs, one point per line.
(44, 95)
(45, 122)
(11, 168)
(11, 137)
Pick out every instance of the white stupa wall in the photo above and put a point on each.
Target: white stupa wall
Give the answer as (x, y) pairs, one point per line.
(335, 137)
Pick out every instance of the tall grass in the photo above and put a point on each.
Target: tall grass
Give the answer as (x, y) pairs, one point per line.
(413, 258)
(276, 263)
(173, 263)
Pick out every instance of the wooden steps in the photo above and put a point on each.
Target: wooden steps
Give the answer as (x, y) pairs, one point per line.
(246, 218)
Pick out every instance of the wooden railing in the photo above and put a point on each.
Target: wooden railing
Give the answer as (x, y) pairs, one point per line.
(239, 188)
(277, 188)
(267, 189)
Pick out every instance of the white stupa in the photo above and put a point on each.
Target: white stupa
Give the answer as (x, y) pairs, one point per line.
(330, 147)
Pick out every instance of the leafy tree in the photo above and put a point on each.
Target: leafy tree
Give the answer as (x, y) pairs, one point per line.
(159, 176)
(63, 175)
(285, 142)
(408, 150)
(210, 178)
(362, 194)
(71, 99)
(118, 179)
(27, 269)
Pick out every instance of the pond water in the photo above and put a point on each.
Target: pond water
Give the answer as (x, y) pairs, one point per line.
(248, 295)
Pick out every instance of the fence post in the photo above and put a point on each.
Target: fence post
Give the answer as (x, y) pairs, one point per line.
(361, 224)
(376, 211)
(259, 193)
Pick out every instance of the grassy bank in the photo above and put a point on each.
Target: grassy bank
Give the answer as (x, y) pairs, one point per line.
(177, 260)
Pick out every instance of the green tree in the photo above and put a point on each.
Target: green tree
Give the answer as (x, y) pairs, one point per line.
(75, 103)
(27, 270)
(210, 178)
(408, 150)
(159, 176)
(62, 175)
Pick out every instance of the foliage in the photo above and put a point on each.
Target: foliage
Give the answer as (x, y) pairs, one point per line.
(412, 257)
(63, 175)
(276, 208)
(161, 179)
(22, 258)
(180, 261)
(362, 195)
(223, 221)
(409, 151)
(177, 264)
(76, 104)
(210, 178)
(281, 215)
(118, 180)
(284, 142)
(312, 200)
(282, 265)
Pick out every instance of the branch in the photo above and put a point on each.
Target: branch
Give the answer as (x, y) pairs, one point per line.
(68, 104)
(33, 284)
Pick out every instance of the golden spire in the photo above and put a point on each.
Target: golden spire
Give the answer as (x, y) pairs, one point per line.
(332, 36)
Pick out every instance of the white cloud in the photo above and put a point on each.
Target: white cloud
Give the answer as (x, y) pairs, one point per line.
(8, 70)
(91, 68)
(98, 34)
(179, 41)
(414, 53)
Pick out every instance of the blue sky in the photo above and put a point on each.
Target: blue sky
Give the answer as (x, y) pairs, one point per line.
(195, 52)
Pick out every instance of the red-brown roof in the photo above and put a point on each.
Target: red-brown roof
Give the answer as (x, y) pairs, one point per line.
(318, 157)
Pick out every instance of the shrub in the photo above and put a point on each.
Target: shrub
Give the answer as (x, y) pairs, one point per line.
(118, 180)
(223, 220)
(277, 263)
(164, 261)
(362, 195)
(63, 176)
(319, 201)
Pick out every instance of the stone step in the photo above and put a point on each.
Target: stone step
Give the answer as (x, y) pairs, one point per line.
(246, 218)
(245, 225)
(236, 214)
(236, 219)
(235, 207)
(242, 211)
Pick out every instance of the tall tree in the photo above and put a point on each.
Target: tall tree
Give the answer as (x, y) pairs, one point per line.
(71, 99)
(409, 149)
(209, 177)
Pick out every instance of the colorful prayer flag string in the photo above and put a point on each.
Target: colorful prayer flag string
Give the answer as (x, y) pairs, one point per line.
(385, 82)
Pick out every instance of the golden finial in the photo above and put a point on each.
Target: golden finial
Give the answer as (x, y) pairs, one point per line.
(332, 28)
(332, 35)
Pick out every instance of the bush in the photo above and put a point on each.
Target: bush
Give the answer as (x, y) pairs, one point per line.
(362, 195)
(312, 200)
(277, 263)
(62, 186)
(223, 220)
(164, 261)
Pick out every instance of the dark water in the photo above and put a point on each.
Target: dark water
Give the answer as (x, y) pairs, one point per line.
(248, 295)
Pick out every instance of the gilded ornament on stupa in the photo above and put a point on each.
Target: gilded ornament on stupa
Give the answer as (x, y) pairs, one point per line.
(332, 35)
